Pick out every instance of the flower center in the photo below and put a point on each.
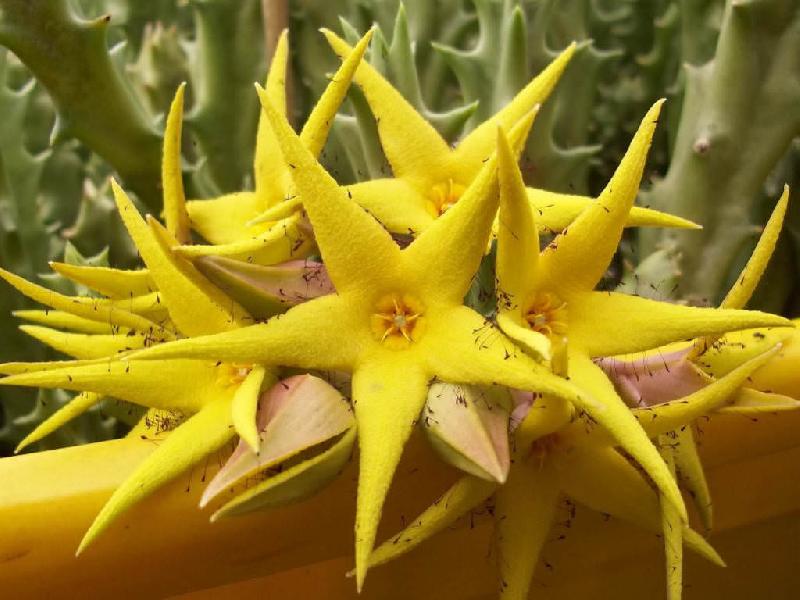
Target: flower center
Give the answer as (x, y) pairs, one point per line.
(547, 314)
(232, 374)
(397, 320)
(444, 196)
(544, 446)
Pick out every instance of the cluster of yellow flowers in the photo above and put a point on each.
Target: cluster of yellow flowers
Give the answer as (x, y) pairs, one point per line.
(563, 391)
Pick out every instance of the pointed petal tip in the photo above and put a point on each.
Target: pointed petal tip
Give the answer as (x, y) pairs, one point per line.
(361, 47)
(361, 575)
(330, 35)
(518, 134)
(565, 55)
(87, 539)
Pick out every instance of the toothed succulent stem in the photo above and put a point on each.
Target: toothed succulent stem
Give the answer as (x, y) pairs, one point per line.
(69, 56)
(229, 59)
(739, 115)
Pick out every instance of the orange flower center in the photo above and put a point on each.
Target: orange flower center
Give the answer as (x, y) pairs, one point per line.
(232, 374)
(547, 314)
(444, 196)
(397, 320)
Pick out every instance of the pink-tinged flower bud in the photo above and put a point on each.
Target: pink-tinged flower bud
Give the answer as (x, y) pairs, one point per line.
(267, 290)
(468, 427)
(306, 433)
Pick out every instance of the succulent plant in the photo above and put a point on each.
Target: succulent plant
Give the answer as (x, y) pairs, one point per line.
(433, 264)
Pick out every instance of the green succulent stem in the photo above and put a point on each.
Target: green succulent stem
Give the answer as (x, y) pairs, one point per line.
(69, 56)
(740, 113)
(229, 59)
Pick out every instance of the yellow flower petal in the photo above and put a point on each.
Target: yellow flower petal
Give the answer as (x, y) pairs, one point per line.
(608, 323)
(185, 385)
(739, 295)
(600, 478)
(691, 474)
(604, 481)
(200, 435)
(565, 266)
(745, 285)
(87, 308)
(671, 528)
(533, 342)
(413, 147)
(476, 146)
(748, 401)
(465, 495)
(388, 398)
(319, 334)
(282, 241)
(319, 122)
(226, 220)
(283, 209)
(175, 215)
(618, 421)
(17, 368)
(395, 203)
(81, 345)
(546, 415)
(555, 211)
(517, 238)
(524, 511)
(334, 216)
(732, 349)
(268, 166)
(63, 320)
(77, 406)
(114, 283)
(673, 415)
(195, 305)
(245, 403)
(149, 306)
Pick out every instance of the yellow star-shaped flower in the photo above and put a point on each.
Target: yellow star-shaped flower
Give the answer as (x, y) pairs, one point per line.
(430, 177)
(547, 302)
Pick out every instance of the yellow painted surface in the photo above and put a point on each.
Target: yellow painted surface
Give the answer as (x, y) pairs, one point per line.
(166, 546)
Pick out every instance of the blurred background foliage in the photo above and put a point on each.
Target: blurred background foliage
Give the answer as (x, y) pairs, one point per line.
(85, 84)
